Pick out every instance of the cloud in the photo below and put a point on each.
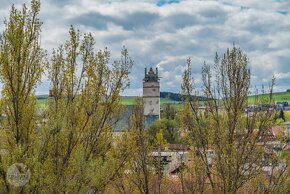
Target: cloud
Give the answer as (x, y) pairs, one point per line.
(165, 33)
(99, 21)
(284, 75)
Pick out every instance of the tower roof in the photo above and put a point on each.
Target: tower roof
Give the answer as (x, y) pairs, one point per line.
(151, 75)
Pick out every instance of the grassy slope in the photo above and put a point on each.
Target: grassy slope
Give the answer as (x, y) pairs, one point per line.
(129, 100)
(42, 102)
(277, 97)
(126, 100)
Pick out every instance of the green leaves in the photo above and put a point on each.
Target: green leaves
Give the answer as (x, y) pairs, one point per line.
(222, 126)
(74, 133)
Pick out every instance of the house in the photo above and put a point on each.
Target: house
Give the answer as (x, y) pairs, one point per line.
(287, 126)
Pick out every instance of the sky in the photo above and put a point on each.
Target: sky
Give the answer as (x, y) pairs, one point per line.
(164, 33)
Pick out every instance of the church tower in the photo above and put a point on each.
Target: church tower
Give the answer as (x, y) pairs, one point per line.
(151, 96)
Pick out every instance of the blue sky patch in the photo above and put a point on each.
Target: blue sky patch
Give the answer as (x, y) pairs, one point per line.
(283, 12)
(163, 2)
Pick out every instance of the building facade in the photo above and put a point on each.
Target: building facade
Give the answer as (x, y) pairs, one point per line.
(151, 96)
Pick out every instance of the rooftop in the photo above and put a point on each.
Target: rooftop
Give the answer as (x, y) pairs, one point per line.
(151, 75)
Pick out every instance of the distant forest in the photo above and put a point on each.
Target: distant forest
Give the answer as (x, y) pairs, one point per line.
(178, 97)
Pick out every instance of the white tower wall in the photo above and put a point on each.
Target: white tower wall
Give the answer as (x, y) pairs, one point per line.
(151, 94)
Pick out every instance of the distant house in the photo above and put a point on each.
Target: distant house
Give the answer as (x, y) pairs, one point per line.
(282, 106)
(172, 157)
(283, 130)
(287, 126)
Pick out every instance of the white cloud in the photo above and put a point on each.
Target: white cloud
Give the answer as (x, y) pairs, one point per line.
(282, 75)
(167, 35)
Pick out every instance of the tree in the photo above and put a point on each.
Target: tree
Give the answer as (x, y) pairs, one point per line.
(281, 115)
(141, 164)
(22, 62)
(169, 129)
(168, 126)
(78, 141)
(137, 177)
(169, 112)
(224, 137)
(69, 147)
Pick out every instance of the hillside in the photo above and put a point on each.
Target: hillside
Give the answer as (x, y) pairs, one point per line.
(175, 98)
(127, 100)
(277, 97)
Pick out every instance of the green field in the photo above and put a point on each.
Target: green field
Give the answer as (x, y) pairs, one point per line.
(126, 100)
(42, 102)
(277, 97)
(129, 100)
